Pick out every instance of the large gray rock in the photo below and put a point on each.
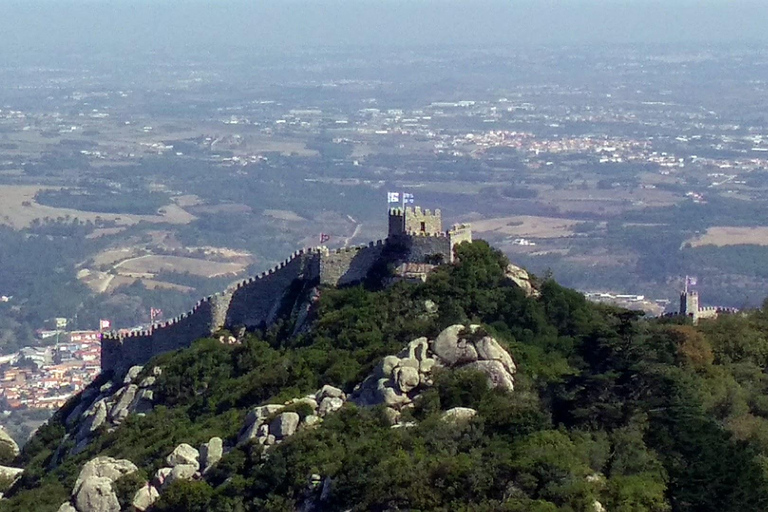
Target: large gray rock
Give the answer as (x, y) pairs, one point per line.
(458, 415)
(259, 414)
(142, 402)
(181, 472)
(96, 495)
(426, 365)
(387, 366)
(393, 398)
(256, 417)
(105, 467)
(250, 432)
(407, 378)
(184, 454)
(445, 345)
(416, 349)
(161, 475)
(284, 425)
(145, 497)
(147, 381)
(520, 278)
(329, 391)
(10, 472)
(307, 400)
(76, 413)
(120, 410)
(7, 441)
(465, 352)
(97, 415)
(489, 349)
(498, 376)
(133, 372)
(329, 404)
(211, 453)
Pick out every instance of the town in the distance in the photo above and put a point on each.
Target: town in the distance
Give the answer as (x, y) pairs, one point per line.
(128, 190)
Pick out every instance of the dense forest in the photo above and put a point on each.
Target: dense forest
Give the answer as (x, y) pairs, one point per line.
(608, 409)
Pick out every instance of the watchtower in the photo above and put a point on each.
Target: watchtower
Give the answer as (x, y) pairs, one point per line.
(689, 304)
(415, 221)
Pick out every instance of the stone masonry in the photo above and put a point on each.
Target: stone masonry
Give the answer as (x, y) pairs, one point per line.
(415, 236)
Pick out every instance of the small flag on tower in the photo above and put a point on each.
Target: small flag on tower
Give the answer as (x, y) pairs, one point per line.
(324, 237)
(691, 280)
(393, 197)
(407, 198)
(104, 325)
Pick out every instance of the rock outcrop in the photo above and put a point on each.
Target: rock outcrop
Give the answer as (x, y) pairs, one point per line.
(210, 453)
(458, 415)
(10, 473)
(106, 408)
(93, 490)
(7, 443)
(184, 454)
(522, 279)
(269, 424)
(398, 380)
(105, 467)
(145, 497)
(396, 383)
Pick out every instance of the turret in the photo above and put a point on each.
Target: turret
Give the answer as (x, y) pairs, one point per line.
(689, 304)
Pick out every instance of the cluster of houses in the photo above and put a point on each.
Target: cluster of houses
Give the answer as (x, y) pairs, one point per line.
(44, 377)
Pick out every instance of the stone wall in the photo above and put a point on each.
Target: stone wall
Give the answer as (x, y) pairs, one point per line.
(139, 347)
(252, 303)
(425, 248)
(349, 265)
(460, 233)
(256, 301)
(418, 221)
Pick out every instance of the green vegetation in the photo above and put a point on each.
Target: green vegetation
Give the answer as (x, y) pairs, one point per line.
(638, 415)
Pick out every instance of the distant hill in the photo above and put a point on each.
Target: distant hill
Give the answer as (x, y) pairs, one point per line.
(480, 389)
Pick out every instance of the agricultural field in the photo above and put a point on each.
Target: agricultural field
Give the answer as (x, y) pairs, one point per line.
(19, 209)
(722, 236)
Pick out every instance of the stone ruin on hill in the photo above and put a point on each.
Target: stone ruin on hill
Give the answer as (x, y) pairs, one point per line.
(415, 236)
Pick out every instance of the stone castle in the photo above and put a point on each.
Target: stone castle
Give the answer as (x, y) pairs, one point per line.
(415, 236)
(689, 306)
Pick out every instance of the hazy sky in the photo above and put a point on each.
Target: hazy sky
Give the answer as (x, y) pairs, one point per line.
(82, 24)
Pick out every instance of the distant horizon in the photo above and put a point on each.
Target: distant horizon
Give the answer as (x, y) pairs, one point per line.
(176, 25)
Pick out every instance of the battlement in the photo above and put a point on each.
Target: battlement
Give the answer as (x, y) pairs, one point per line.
(410, 220)
(257, 302)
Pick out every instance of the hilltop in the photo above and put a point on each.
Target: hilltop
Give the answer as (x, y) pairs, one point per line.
(479, 388)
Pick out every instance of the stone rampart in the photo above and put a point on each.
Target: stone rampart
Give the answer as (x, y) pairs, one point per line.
(252, 303)
(423, 248)
(349, 265)
(256, 302)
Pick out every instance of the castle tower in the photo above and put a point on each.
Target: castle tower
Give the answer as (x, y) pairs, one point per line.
(415, 221)
(396, 222)
(689, 304)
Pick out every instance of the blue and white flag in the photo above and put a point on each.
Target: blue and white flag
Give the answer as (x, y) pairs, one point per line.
(691, 280)
(393, 197)
(407, 198)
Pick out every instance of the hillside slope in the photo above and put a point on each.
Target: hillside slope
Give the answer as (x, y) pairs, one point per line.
(471, 391)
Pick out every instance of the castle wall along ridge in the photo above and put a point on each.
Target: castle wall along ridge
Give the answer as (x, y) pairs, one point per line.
(415, 236)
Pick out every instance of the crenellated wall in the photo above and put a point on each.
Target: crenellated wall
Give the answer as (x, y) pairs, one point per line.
(256, 302)
(349, 265)
(251, 303)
